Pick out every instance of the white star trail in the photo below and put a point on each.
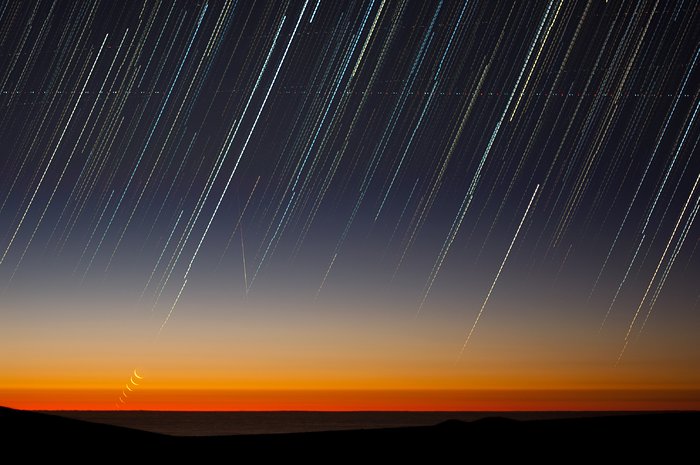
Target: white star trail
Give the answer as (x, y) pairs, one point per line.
(53, 154)
(498, 273)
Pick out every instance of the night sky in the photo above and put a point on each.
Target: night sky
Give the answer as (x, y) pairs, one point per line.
(349, 205)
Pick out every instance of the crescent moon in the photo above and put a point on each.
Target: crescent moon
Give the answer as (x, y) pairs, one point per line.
(132, 381)
(137, 375)
(120, 400)
(127, 386)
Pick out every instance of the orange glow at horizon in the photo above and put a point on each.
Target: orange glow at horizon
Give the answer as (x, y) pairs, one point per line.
(331, 362)
(358, 400)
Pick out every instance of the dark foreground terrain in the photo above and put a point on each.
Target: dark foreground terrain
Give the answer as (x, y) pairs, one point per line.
(669, 437)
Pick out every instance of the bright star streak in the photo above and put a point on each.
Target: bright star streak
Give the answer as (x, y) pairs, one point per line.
(53, 154)
(493, 284)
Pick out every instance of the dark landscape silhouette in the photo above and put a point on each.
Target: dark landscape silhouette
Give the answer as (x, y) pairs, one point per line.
(568, 440)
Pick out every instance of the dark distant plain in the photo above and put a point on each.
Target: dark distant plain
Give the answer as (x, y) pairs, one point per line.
(179, 423)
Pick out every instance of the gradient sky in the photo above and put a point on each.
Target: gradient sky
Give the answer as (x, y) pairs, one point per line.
(349, 205)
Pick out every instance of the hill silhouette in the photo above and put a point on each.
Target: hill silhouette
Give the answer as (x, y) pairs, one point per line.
(31, 435)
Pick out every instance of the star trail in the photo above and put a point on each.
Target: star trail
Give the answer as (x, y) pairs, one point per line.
(349, 195)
